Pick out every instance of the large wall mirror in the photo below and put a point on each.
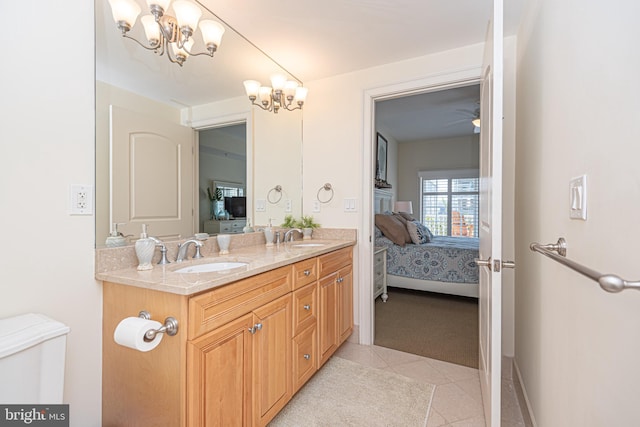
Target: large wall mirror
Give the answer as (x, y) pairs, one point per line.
(203, 105)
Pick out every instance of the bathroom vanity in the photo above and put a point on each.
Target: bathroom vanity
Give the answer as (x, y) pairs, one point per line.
(248, 338)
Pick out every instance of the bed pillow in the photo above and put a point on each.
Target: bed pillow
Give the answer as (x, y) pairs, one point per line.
(400, 218)
(419, 233)
(406, 216)
(392, 229)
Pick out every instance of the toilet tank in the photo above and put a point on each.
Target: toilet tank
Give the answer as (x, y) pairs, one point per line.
(32, 352)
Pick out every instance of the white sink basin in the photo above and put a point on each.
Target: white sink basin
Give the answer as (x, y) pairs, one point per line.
(211, 267)
(307, 245)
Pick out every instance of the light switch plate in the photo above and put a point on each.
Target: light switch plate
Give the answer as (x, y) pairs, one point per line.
(578, 198)
(350, 205)
(261, 205)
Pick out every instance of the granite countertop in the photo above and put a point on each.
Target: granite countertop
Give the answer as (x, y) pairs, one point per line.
(259, 258)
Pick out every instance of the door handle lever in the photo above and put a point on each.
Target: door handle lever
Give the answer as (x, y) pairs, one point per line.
(508, 264)
(484, 262)
(495, 265)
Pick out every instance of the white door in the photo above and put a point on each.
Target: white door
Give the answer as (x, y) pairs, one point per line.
(151, 178)
(490, 300)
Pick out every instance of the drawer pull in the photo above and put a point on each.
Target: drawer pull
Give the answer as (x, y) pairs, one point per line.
(306, 307)
(255, 328)
(307, 272)
(307, 356)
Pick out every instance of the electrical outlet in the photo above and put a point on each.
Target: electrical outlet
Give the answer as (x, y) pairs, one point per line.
(316, 206)
(81, 199)
(288, 205)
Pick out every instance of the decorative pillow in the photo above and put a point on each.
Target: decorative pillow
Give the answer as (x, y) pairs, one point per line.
(393, 229)
(406, 216)
(418, 232)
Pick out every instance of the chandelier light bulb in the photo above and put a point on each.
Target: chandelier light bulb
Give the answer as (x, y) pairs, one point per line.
(212, 32)
(278, 81)
(125, 13)
(151, 29)
(187, 14)
(265, 95)
(159, 4)
(290, 89)
(301, 95)
(252, 87)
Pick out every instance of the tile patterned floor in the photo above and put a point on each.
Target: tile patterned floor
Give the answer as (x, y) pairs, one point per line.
(457, 400)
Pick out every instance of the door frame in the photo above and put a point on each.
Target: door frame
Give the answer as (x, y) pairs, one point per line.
(216, 122)
(439, 81)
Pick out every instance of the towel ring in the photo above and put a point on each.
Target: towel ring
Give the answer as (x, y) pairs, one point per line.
(277, 189)
(326, 187)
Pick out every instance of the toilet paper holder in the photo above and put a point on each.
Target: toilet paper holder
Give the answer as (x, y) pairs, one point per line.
(170, 326)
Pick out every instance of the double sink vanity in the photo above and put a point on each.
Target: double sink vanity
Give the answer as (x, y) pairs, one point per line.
(253, 327)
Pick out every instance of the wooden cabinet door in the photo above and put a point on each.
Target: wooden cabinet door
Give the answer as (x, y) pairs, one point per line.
(273, 382)
(345, 303)
(219, 376)
(327, 318)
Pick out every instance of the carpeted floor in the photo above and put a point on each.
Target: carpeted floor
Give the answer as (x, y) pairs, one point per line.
(345, 393)
(438, 326)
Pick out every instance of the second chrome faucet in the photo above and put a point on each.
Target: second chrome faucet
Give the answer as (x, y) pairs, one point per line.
(182, 249)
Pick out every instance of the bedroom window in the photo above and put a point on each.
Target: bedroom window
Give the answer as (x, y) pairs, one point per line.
(229, 189)
(450, 202)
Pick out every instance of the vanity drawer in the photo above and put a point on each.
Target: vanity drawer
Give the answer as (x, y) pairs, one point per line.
(214, 308)
(305, 357)
(305, 272)
(333, 261)
(305, 308)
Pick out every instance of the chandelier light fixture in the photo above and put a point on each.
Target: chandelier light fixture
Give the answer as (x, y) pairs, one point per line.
(283, 93)
(166, 33)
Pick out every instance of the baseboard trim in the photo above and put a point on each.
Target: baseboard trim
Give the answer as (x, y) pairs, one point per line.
(523, 399)
(355, 335)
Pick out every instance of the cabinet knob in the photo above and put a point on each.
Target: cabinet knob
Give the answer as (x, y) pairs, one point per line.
(307, 356)
(307, 272)
(306, 307)
(255, 328)
(340, 279)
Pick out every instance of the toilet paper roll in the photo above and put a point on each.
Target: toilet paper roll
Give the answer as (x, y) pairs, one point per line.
(130, 333)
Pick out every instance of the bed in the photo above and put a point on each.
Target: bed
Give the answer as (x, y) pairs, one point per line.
(444, 264)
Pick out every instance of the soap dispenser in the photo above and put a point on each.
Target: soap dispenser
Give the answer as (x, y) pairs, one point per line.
(115, 238)
(145, 247)
(248, 228)
(268, 234)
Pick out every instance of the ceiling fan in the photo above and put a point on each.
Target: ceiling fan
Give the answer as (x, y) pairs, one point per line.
(469, 116)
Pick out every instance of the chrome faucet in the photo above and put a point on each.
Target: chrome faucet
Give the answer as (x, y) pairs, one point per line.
(288, 236)
(182, 249)
(163, 251)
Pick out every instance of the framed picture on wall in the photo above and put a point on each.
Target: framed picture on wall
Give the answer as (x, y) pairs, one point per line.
(381, 158)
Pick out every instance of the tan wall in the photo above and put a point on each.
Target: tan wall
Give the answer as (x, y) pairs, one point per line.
(47, 136)
(435, 154)
(577, 113)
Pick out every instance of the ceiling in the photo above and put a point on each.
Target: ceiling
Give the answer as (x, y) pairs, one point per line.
(309, 39)
(434, 115)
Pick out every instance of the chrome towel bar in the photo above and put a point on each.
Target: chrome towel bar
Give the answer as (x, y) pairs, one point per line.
(608, 282)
